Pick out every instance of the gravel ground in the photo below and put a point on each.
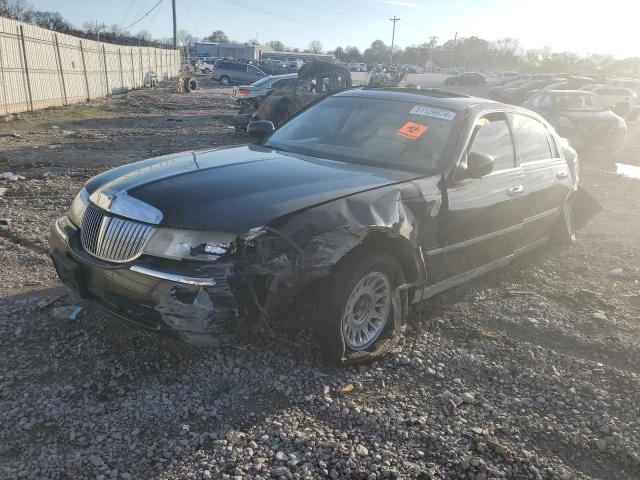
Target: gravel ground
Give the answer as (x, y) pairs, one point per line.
(530, 372)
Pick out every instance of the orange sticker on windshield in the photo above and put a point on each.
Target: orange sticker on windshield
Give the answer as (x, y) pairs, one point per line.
(412, 130)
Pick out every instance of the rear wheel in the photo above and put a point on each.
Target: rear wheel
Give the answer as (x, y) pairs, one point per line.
(563, 232)
(359, 313)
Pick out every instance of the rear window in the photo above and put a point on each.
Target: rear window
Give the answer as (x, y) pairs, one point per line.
(369, 131)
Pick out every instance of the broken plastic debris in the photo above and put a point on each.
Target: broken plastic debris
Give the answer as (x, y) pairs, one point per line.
(12, 177)
(347, 388)
(185, 427)
(325, 390)
(628, 171)
(70, 312)
(616, 272)
(2, 191)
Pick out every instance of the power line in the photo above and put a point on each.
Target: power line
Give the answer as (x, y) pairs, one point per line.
(141, 18)
(251, 7)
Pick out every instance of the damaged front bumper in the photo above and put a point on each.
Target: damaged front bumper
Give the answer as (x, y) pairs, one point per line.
(168, 297)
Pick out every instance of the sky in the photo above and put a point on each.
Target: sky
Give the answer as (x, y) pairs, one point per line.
(580, 26)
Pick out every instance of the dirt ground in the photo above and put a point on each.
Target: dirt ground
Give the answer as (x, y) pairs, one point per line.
(529, 372)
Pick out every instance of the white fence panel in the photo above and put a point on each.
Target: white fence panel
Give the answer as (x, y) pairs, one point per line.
(40, 68)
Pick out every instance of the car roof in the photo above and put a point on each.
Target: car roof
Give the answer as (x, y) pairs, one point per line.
(564, 92)
(431, 96)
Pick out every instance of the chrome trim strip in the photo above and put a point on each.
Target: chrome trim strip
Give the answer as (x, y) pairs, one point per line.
(200, 281)
(482, 238)
(488, 236)
(540, 216)
(60, 230)
(121, 203)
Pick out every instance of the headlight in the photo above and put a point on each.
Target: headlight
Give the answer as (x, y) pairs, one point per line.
(188, 244)
(78, 206)
(565, 122)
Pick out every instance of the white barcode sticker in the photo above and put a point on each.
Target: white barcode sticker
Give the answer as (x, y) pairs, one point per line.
(433, 112)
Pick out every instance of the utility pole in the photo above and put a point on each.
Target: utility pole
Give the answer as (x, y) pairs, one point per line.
(453, 53)
(175, 38)
(393, 36)
(432, 45)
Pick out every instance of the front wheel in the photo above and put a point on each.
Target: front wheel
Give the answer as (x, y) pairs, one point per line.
(359, 311)
(225, 80)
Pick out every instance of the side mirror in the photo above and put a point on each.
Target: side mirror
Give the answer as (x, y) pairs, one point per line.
(260, 128)
(479, 165)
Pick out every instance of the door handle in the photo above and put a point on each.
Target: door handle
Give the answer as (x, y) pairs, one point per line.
(562, 174)
(517, 190)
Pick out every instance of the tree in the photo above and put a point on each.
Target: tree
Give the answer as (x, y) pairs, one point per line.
(378, 52)
(276, 45)
(184, 37)
(16, 9)
(144, 35)
(217, 37)
(507, 50)
(51, 20)
(315, 46)
(352, 54)
(340, 53)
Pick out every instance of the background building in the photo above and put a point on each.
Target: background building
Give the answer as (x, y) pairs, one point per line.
(230, 50)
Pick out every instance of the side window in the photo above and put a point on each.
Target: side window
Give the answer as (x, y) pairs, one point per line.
(493, 138)
(545, 101)
(281, 83)
(531, 139)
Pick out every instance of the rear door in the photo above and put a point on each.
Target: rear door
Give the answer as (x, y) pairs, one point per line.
(485, 214)
(547, 180)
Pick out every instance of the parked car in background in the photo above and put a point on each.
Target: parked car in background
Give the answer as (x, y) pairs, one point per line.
(466, 78)
(632, 83)
(580, 116)
(228, 72)
(248, 97)
(621, 100)
(364, 203)
(495, 93)
(571, 83)
(518, 94)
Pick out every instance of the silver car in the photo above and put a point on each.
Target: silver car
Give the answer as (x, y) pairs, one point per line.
(249, 96)
(228, 72)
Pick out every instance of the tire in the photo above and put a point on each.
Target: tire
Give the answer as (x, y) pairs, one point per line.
(563, 231)
(224, 80)
(207, 71)
(338, 305)
(190, 85)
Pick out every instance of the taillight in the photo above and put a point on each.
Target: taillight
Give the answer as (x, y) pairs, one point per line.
(243, 91)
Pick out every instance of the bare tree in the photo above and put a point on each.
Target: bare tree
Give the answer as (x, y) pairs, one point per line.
(185, 38)
(277, 45)
(315, 46)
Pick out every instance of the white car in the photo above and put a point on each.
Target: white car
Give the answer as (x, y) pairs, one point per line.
(620, 99)
(204, 67)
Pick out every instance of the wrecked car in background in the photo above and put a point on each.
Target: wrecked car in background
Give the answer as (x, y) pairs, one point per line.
(248, 97)
(357, 206)
(315, 80)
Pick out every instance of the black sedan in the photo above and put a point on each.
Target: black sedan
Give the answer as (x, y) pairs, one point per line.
(581, 117)
(466, 78)
(356, 207)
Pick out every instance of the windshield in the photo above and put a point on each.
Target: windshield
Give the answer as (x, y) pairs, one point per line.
(370, 131)
(580, 102)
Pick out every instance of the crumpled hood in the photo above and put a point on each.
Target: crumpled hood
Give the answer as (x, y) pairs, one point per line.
(236, 189)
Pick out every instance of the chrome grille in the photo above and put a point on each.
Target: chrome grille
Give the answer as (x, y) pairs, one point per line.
(112, 238)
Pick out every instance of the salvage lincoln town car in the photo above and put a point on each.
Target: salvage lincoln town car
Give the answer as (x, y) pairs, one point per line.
(362, 203)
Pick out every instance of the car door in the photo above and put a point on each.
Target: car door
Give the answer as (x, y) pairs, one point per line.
(485, 214)
(547, 180)
(254, 73)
